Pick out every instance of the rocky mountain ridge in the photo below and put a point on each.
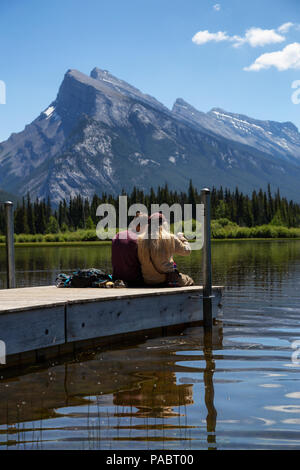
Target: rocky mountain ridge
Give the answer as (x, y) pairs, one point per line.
(102, 134)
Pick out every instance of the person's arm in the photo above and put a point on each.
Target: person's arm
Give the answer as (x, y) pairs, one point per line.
(182, 246)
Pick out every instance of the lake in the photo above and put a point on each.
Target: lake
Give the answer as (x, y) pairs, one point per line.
(239, 389)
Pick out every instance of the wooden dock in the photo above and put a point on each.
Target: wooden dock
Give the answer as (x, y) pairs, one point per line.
(38, 323)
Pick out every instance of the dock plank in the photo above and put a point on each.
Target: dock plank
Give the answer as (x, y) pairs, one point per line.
(39, 318)
(39, 328)
(21, 299)
(131, 314)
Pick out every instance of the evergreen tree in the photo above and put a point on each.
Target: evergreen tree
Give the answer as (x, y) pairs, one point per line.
(52, 226)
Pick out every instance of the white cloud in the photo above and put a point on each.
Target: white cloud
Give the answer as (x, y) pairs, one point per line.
(255, 37)
(202, 37)
(217, 7)
(287, 58)
(285, 27)
(258, 37)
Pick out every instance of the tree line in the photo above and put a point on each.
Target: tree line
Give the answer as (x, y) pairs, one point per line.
(262, 207)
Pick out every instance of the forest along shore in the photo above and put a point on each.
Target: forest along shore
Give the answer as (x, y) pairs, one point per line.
(234, 215)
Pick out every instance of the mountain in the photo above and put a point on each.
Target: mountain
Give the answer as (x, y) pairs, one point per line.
(102, 134)
(103, 76)
(5, 196)
(275, 138)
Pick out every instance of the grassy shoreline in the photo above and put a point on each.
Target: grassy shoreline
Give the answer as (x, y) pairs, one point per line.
(221, 230)
(108, 242)
(67, 243)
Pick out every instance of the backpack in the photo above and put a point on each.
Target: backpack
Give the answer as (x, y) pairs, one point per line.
(83, 278)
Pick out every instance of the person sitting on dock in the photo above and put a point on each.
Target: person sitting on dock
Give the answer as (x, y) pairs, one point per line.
(124, 254)
(156, 248)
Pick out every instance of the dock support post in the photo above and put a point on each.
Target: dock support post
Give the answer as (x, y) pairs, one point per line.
(206, 261)
(10, 246)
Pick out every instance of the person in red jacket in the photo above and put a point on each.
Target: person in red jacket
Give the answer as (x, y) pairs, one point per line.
(124, 252)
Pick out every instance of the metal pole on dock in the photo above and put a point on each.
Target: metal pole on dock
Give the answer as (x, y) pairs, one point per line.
(10, 246)
(206, 261)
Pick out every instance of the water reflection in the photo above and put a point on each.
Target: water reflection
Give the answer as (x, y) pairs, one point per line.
(118, 391)
(177, 391)
(211, 418)
(157, 397)
(265, 263)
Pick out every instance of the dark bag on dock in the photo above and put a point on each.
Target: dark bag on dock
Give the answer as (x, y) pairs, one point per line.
(83, 278)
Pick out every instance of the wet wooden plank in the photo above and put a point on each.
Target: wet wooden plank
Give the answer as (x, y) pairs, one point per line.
(39, 328)
(117, 316)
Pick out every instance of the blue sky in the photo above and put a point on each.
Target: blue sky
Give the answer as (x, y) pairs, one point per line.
(211, 53)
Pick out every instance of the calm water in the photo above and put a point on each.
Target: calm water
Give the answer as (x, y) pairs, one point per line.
(238, 389)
